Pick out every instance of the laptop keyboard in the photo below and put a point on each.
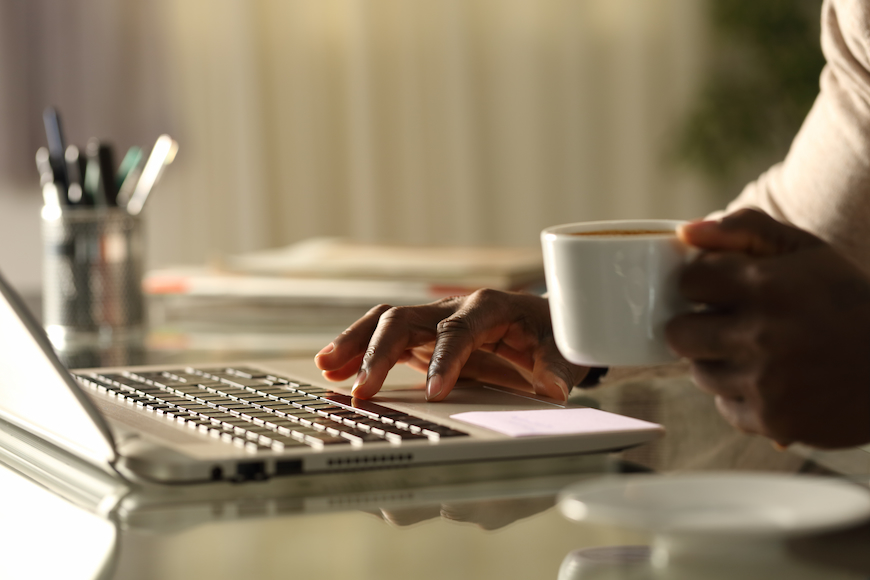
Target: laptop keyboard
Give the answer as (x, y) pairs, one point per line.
(263, 412)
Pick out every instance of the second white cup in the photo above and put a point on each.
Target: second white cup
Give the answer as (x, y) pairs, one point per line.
(612, 288)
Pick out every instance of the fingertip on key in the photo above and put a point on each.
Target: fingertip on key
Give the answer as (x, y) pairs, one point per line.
(434, 387)
(358, 388)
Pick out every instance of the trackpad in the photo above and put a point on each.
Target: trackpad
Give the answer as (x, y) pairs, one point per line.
(470, 396)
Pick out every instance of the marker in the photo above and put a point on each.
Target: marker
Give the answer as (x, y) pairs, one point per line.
(106, 158)
(99, 184)
(56, 148)
(132, 158)
(162, 155)
(128, 175)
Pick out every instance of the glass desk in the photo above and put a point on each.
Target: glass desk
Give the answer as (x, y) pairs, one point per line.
(463, 522)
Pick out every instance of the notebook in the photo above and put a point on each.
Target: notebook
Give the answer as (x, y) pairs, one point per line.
(252, 421)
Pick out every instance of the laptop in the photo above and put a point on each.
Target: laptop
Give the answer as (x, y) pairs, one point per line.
(253, 421)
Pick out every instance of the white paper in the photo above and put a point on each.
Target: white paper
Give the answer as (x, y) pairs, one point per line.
(553, 422)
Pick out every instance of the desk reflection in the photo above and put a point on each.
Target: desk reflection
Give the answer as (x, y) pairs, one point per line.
(47, 536)
(480, 530)
(639, 563)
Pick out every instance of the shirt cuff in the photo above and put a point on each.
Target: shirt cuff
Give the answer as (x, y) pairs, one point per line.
(593, 377)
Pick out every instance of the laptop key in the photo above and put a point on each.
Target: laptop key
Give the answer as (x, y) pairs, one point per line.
(354, 438)
(119, 379)
(244, 383)
(412, 436)
(287, 440)
(245, 372)
(329, 439)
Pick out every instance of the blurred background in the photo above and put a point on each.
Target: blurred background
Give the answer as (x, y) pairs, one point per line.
(456, 122)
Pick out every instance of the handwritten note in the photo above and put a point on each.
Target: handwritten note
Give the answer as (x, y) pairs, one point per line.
(553, 422)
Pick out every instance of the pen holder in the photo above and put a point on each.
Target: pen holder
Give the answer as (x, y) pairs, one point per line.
(92, 276)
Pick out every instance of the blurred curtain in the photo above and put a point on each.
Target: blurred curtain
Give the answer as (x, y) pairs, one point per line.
(455, 122)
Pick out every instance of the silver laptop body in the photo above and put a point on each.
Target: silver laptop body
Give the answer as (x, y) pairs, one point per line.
(91, 420)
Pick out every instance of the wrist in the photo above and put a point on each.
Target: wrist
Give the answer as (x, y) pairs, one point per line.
(593, 377)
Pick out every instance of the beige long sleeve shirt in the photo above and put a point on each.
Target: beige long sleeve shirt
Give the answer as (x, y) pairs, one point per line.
(823, 185)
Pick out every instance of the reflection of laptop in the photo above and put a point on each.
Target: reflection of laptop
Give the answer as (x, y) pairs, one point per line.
(110, 516)
(251, 421)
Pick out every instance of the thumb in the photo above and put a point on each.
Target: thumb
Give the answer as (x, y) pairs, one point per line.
(749, 231)
(552, 375)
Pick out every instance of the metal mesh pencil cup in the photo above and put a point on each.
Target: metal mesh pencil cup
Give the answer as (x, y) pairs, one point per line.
(92, 276)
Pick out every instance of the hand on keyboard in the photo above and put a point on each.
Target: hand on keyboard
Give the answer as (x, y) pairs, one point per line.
(497, 337)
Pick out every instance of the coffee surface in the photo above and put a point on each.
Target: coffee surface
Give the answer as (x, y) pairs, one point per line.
(620, 233)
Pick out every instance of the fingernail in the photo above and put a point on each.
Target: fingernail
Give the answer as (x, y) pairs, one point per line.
(553, 386)
(360, 381)
(563, 389)
(433, 387)
(326, 349)
(555, 390)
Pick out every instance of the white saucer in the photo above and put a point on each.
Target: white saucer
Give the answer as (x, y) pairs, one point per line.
(719, 504)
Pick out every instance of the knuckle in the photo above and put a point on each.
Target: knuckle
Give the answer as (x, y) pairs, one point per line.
(755, 274)
(763, 284)
(456, 325)
(487, 299)
(370, 351)
(746, 217)
(379, 309)
(761, 340)
(487, 295)
(451, 301)
(393, 314)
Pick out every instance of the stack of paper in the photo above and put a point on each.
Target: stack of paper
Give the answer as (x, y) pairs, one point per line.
(335, 271)
(459, 267)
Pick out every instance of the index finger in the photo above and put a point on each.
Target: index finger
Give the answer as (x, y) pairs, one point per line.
(338, 357)
(397, 330)
(716, 279)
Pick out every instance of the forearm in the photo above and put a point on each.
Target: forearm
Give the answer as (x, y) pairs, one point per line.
(823, 185)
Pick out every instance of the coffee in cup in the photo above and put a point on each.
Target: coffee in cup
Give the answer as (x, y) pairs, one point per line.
(612, 287)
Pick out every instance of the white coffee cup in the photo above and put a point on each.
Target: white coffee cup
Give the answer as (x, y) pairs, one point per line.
(612, 288)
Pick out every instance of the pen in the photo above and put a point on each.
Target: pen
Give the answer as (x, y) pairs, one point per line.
(50, 196)
(56, 148)
(106, 158)
(75, 167)
(131, 159)
(128, 175)
(99, 184)
(162, 155)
